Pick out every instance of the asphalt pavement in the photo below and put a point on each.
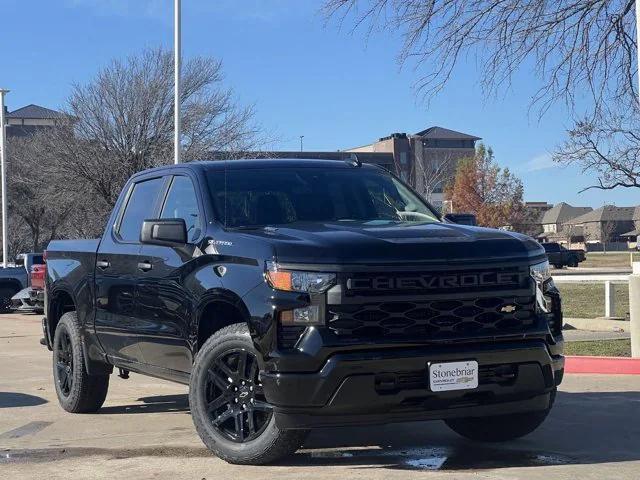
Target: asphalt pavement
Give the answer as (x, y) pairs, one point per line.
(145, 431)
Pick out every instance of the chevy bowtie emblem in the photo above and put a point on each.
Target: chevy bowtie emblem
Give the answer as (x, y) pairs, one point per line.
(508, 309)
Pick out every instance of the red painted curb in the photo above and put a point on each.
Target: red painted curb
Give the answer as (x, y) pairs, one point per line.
(610, 365)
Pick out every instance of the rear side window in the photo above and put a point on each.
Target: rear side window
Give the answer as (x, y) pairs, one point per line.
(139, 207)
(182, 203)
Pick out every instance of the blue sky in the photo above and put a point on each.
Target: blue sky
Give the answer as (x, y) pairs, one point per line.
(304, 76)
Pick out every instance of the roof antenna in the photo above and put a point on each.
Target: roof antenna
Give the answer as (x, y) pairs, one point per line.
(355, 161)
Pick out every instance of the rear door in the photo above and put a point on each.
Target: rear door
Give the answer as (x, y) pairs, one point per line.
(165, 306)
(118, 326)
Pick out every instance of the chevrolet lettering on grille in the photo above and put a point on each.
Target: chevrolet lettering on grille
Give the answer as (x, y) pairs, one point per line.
(435, 282)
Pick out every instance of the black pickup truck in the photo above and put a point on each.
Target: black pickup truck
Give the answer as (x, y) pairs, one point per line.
(560, 256)
(295, 294)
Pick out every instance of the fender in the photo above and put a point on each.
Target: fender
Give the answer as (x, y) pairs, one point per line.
(96, 362)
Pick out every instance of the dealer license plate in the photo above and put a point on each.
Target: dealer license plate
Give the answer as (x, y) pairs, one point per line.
(453, 376)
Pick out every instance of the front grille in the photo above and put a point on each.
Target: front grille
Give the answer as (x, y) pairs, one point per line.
(434, 282)
(436, 319)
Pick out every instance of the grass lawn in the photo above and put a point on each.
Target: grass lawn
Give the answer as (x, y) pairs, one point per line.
(599, 348)
(612, 259)
(586, 300)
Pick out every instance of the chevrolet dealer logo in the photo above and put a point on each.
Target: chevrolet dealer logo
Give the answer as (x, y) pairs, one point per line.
(508, 309)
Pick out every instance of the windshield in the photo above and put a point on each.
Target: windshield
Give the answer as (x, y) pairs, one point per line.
(260, 197)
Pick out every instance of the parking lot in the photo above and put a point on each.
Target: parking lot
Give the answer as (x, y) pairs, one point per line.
(145, 431)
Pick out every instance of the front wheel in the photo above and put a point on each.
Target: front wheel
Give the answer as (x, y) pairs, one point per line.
(500, 428)
(228, 406)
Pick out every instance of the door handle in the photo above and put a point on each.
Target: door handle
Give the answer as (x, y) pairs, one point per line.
(145, 266)
(103, 264)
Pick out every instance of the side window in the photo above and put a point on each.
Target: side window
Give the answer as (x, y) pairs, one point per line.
(139, 207)
(182, 203)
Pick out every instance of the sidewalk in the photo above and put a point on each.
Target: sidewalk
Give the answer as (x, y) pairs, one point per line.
(596, 324)
(588, 335)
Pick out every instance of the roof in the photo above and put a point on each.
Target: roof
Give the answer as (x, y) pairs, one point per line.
(562, 213)
(445, 133)
(34, 111)
(378, 158)
(607, 213)
(247, 163)
(636, 214)
(632, 233)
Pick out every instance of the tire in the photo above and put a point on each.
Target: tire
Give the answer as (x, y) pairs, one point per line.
(558, 266)
(233, 418)
(5, 298)
(78, 392)
(500, 428)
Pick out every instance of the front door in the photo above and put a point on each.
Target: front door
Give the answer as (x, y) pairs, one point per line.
(117, 323)
(165, 306)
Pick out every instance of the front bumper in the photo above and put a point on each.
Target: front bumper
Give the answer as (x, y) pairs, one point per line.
(392, 386)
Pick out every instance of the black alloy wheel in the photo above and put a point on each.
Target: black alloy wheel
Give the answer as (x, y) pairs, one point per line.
(64, 363)
(234, 397)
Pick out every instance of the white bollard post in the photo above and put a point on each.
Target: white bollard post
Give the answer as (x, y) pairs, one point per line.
(634, 309)
(609, 299)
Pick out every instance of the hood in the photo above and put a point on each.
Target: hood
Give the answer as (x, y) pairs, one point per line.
(390, 243)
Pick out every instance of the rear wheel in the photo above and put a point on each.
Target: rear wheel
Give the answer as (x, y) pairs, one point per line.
(228, 405)
(78, 392)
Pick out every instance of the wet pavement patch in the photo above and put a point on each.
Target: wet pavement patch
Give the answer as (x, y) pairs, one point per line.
(27, 429)
(434, 458)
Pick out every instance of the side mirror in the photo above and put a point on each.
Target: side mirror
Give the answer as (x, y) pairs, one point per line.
(170, 232)
(461, 218)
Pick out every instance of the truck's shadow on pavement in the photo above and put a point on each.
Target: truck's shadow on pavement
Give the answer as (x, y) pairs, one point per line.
(14, 399)
(153, 404)
(583, 428)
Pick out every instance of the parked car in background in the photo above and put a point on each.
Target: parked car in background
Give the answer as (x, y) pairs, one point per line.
(31, 299)
(15, 278)
(560, 256)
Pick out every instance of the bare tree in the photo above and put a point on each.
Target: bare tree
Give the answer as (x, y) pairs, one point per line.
(65, 180)
(607, 145)
(39, 197)
(431, 176)
(574, 47)
(607, 232)
(123, 119)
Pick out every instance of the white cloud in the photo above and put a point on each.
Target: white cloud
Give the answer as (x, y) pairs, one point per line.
(543, 161)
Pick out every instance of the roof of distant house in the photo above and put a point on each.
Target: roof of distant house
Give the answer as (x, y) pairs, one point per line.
(607, 213)
(563, 212)
(445, 133)
(35, 112)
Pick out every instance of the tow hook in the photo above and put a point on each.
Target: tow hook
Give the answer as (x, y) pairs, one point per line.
(124, 374)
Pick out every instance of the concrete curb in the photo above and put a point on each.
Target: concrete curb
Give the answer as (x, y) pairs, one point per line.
(598, 324)
(604, 365)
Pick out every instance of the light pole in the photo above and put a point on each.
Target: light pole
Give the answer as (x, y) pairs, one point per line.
(301, 137)
(177, 51)
(638, 43)
(3, 175)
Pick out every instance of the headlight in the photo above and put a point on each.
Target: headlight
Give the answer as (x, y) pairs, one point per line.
(540, 272)
(298, 281)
